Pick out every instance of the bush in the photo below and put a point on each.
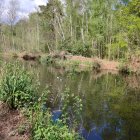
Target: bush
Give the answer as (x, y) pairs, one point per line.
(80, 49)
(72, 107)
(45, 129)
(77, 48)
(16, 86)
(47, 59)
(124, 69)
(43, 125)
(74, 65)
(22, 129)
(96, 66)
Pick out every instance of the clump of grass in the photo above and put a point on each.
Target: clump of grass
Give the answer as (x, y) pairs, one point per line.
(15, 55)
(74, 64)
(47, 59)
(124, 68)
(96, 66)
(16, 86)
(22, 129)
(70, 64)
(88, 64)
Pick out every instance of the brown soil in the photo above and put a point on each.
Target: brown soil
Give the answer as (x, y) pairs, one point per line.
(10, 121)
(105, 64)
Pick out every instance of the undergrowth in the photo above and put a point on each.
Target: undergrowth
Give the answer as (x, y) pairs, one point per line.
(17, 88)
(20, 91)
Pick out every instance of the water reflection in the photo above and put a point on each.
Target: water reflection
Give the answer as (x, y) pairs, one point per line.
(111, 102)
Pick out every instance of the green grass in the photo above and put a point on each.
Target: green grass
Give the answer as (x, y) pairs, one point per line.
(19, 91)
(16, 86)
(124, 68)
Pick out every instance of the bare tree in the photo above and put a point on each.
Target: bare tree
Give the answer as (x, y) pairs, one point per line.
(13, 12)
(12, 15)
(1, 13)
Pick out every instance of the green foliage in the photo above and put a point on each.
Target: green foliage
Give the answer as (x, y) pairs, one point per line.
(77, 48)
(18, 90)
(47, 59)
(89, 28)
(81, 49)
(96, 66)
(124, 68)
(74, 65)
(16, 86)
(129, 22)
(22, 129)
(72, 107)
(45, 129)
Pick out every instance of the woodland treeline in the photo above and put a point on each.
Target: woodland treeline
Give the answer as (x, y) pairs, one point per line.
(102, 28)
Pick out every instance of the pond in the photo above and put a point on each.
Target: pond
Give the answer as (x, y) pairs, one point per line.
(111, 102)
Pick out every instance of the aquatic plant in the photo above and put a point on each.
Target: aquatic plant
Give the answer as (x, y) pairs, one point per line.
(43, 126)
(47, 59)
(45, 129)
(72, 108)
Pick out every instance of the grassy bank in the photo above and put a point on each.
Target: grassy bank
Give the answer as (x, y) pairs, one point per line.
(20, 95)
(79, 63)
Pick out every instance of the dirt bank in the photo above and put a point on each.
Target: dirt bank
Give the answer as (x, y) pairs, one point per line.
(133, 64)
(10, 122)
(105, 64)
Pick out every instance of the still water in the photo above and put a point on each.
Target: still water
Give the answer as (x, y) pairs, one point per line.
(111, 102)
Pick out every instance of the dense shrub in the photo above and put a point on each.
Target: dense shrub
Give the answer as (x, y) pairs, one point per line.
(81, 49)
(124, 68)
(45, 129)
(76, 48)
(96, 66)
(43, 126)
(16, 86)
(47, 59)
